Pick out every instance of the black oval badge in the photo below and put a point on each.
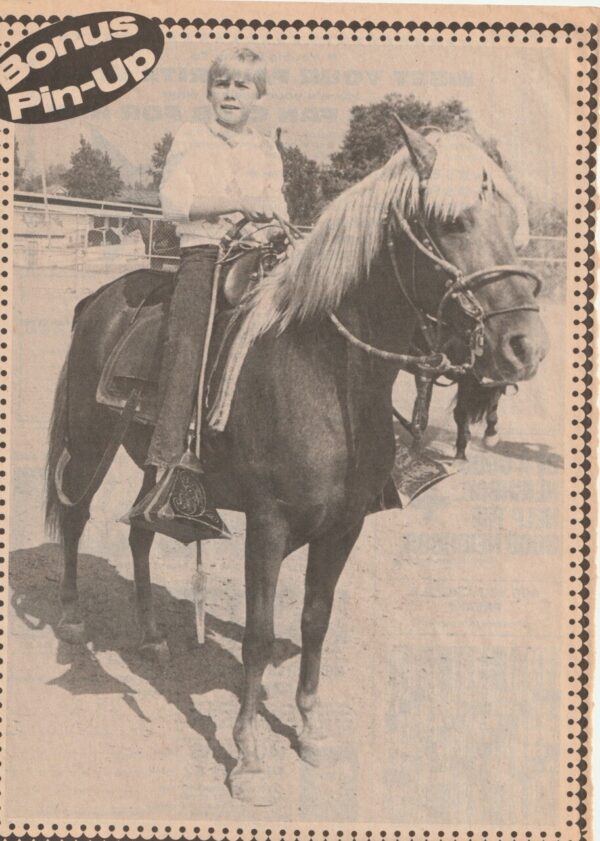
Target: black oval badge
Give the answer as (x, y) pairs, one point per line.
(76, 66)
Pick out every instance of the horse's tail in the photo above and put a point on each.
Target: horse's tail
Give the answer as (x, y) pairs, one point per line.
(476, 399)
(56, 448)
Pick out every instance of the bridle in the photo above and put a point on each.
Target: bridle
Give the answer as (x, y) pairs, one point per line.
(459, 288)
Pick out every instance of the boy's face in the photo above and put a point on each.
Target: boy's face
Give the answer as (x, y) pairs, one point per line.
(233, 98)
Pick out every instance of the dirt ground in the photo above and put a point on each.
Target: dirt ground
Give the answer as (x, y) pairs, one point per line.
(442, 667)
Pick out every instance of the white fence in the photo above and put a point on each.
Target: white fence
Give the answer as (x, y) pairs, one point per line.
(59, 231)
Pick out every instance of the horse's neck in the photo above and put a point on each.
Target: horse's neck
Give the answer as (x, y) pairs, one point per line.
(381, 315)
(378, 315)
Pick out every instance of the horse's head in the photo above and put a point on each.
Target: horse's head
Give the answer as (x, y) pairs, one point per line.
(462, 228)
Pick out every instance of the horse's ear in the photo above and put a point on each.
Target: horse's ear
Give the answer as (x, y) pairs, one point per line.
(421, 151)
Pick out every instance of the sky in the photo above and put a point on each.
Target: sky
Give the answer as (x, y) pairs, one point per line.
(516, 94)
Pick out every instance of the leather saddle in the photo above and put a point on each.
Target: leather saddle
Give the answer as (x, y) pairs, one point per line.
(135, 360)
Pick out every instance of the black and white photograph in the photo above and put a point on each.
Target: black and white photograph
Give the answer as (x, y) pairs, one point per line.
(298, 376)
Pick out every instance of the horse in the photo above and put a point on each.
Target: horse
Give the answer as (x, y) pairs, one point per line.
(160, 240)
(309, 442)
(475, 402)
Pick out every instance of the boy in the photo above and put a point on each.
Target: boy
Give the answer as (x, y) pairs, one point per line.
(214, 173)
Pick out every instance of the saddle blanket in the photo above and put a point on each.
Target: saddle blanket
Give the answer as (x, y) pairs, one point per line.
(136, 358)
(226, 370)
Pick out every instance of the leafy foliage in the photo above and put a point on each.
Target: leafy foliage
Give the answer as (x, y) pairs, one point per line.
(302, 184)
(92, 174)
(19, 169)
(546, 220)
(373, 136)
(33, 183)
(158, 160)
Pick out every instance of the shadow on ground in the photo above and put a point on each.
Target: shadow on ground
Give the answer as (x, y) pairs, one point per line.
(520, 450)
(539, 453)
(107, 600)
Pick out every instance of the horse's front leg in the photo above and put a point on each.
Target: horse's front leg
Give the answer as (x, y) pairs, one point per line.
(491, 437)
(266, 546)
(326, 559)
(461, 418)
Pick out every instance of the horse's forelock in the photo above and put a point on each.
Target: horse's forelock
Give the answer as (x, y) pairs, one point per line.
(461, 171)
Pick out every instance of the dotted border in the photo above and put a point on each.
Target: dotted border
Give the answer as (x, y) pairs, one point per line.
(581, 408)
(352, 30)
(6, 185)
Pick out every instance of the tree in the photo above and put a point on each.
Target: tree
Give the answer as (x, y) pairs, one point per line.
(92, 174)
(32, 184)
(547, 220)
(373, 136)
(162, 148)
(302, 187)
(55, 176)
(19, 169)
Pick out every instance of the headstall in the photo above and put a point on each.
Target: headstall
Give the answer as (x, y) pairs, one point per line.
(460, 288)
(428, 368)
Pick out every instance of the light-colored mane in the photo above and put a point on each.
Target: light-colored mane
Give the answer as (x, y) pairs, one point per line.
(348, 236)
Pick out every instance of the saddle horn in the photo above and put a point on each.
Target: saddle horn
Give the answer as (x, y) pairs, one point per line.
(421, 151)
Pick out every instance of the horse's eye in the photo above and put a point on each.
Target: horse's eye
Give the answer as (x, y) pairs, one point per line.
(455, 226)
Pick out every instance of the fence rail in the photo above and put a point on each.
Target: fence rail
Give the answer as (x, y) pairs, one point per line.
(72, 204)
(60, 231)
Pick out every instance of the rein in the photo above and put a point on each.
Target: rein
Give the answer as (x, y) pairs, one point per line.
(434, 364)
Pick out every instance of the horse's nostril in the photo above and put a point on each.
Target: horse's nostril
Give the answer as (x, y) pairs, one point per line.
(522, 348)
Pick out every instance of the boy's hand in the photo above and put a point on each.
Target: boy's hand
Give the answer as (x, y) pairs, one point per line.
(256, 209)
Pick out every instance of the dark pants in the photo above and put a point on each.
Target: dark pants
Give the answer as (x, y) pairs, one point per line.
(186, 331)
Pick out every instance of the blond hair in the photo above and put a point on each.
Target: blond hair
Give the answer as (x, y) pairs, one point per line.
(345, 241)
(235, 59)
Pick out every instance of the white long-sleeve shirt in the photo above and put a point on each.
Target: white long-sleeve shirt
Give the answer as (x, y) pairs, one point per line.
(207, 159)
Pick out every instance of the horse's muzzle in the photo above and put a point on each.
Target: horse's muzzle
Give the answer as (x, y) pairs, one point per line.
(521, 350)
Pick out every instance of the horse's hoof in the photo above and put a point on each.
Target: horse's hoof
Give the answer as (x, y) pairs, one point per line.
(157, 652)
(71, 632)
(251, 787)
(491, 441)
(314, 751)
(460, 456)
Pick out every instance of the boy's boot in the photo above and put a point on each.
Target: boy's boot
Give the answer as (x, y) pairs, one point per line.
(177, 506)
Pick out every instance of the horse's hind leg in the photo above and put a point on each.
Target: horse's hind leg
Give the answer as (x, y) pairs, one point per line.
(326, 559)
(71, 626)
(152, 642)
(73, 519)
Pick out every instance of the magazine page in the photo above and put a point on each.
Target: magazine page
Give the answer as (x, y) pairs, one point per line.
(298, 440)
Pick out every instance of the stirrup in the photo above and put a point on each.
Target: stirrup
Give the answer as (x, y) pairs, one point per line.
(177, 506)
